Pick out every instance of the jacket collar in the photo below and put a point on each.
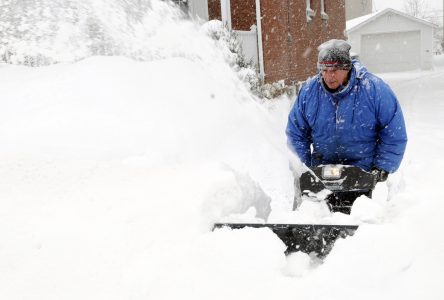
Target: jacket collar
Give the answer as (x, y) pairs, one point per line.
(343, 90)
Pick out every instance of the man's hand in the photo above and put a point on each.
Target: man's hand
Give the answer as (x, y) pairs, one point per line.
(381, 175)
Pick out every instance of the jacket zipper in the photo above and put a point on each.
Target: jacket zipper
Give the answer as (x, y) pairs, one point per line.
(337, 120)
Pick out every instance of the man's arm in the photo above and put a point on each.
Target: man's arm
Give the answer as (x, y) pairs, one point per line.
(392, 132)
(299, 133)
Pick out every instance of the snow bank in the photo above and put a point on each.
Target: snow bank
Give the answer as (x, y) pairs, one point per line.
(114, 109)
(107, 168)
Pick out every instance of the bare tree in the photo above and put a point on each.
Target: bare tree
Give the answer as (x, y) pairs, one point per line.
(417, 8)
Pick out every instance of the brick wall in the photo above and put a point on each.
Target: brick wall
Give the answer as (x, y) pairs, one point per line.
(275, 39)
(316, 32)
(214, 12)
(243, 13)
(289, 41)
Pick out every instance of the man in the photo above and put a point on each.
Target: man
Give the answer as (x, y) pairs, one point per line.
(346, 115)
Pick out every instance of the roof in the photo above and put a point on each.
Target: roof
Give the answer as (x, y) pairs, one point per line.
(359, 22)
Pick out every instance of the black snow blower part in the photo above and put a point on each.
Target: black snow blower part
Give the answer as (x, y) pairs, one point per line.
(345, 183)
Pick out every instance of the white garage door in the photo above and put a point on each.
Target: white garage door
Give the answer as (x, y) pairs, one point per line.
(391, 52)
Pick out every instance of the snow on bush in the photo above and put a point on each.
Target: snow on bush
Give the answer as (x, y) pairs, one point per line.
(227, 40)
(230, 44)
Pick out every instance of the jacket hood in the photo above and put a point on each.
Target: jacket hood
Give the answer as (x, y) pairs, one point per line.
(360, 69)
(356, 73)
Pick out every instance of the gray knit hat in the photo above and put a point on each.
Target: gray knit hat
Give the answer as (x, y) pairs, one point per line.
(334, 54)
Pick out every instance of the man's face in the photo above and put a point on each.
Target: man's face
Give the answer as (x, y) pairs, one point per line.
(333, 77)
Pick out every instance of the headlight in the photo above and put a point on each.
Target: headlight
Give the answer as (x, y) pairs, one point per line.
(331, 172)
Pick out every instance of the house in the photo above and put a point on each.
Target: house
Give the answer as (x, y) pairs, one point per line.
(390, 41)
(355, 9)
(286, 33)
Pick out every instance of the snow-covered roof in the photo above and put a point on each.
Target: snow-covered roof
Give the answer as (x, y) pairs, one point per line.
(356, 23)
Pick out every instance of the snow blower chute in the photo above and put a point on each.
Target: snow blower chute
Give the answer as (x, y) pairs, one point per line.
(345, 183)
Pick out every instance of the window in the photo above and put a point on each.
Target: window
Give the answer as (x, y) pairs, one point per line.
(309, 12)
(324, 15)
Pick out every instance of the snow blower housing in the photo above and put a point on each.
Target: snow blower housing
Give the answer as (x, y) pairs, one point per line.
(345, 184)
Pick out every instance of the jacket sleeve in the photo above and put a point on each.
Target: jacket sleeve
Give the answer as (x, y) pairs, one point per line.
(392, 135)
(298, 131)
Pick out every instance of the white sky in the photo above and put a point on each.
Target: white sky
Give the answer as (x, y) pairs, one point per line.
(399, 4)
(434, 8)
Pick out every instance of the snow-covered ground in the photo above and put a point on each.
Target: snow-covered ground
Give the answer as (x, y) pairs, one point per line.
(112, 172)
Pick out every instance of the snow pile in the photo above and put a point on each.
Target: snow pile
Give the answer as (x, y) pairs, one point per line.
(111, 192)
(113, 171)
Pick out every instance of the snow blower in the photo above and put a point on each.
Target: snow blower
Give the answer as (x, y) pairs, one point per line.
(344, 185)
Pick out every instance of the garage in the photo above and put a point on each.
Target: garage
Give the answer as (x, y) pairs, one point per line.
(386, 52)
(391, 41)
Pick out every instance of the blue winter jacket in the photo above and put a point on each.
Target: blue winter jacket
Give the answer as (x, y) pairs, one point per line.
(361, 124)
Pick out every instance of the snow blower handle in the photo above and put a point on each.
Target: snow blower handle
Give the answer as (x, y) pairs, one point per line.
(381, 175)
